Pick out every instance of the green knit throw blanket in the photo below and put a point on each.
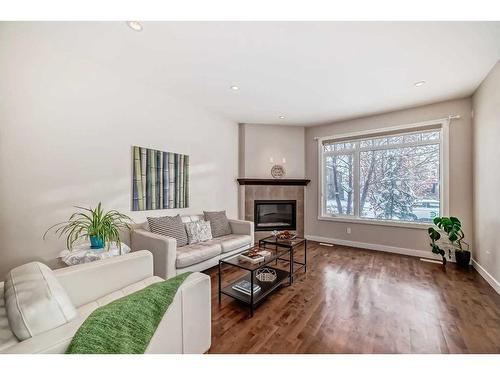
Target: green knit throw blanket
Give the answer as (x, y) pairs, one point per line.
(126, 325)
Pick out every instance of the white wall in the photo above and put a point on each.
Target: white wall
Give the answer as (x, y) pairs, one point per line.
(258, 143)
(486, 161)
(397, 238)
(67, 128)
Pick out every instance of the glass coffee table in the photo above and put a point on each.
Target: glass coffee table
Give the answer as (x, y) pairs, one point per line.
(266, 287)
(278, 250)
(291, 244)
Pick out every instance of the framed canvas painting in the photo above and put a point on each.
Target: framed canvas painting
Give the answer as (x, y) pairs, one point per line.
(160, 179)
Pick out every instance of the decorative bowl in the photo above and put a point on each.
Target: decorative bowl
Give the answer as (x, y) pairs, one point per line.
(266, 275)
(284, 235)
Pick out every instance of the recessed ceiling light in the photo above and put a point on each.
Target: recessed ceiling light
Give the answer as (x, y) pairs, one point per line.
(282, 117)
(134, 25)
(420, 83)
(235, 88)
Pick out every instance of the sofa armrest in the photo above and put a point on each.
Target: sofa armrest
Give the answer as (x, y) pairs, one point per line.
(164, 251)
(89, 281)
(186, 326)
(196, 314)
(242, 227)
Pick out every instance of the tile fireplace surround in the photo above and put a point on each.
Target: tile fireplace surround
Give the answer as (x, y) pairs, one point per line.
(271, 189)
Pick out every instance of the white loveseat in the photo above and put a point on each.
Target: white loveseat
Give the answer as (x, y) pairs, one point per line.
(171, 260)
(185, 327)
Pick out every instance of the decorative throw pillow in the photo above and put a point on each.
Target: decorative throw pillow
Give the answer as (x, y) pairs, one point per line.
(171, 226)
(35, 301)
(198, 231)
(218, 222)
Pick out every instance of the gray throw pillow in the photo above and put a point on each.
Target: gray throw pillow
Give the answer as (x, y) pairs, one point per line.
(171, 226)
(218, 222)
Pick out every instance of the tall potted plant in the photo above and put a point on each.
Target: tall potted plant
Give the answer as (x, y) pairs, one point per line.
(453, 229)
(100, 227)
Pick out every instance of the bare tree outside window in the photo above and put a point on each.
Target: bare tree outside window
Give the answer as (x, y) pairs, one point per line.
(398, 177)
(339, 172)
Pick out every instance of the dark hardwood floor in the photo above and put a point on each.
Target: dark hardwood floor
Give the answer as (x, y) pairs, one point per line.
(362, 301)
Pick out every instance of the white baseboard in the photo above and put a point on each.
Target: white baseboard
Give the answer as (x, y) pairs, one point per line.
(489, 279)
(404, 251)
(372, 246)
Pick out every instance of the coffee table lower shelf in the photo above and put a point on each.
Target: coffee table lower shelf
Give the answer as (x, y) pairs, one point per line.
(266, 288)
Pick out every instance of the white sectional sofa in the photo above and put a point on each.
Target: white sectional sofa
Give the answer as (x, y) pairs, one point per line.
(185, 327)
(170, 260)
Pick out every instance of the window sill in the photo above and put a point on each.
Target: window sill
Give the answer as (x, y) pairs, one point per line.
(385, 223)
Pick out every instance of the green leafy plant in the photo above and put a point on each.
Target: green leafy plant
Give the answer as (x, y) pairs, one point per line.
(92, 222)
(435, 236)
(453, 229)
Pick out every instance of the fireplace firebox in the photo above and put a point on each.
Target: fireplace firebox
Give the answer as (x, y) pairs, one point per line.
(275, 215)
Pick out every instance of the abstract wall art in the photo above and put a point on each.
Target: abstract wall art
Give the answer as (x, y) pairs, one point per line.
(159, 179)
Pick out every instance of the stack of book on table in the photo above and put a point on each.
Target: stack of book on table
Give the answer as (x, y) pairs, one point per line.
(243, 286)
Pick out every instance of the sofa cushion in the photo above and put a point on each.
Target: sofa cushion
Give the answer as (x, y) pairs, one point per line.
(232, 242)
(170, 226)
(197, 253)
(218, 222)
(7, 338)
(198, 231)
(35, 301)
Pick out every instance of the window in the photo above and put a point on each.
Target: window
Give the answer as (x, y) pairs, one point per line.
(396, 177)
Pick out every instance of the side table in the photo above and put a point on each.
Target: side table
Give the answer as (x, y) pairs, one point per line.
(84, 254)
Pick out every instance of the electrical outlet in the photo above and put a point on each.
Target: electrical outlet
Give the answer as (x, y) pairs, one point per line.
(348, 230)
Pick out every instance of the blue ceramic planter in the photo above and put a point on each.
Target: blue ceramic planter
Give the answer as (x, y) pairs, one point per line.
(96, 242)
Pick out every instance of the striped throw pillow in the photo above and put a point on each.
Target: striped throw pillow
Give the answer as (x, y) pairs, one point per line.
(218, 222)
(171, 226)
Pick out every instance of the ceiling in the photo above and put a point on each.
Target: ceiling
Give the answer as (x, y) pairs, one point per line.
(309, 72)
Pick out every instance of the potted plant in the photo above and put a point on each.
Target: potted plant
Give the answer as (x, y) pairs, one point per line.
(435, 236)
(453, 229)
(100, 227)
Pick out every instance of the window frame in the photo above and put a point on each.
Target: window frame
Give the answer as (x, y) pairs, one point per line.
(441, 124)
